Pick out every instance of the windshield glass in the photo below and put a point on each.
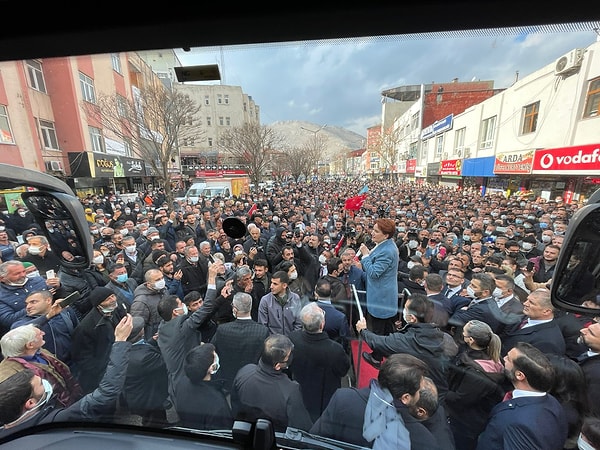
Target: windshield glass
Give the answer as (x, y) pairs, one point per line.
(385, 189)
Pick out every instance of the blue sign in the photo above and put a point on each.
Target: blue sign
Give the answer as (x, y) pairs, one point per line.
(437, 127)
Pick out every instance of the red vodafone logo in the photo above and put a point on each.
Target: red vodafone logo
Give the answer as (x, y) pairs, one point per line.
(579, 159)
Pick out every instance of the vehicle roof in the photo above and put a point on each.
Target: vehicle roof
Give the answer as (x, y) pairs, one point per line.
(120, 27)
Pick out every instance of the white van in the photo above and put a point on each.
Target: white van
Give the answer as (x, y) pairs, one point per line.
(194, 193)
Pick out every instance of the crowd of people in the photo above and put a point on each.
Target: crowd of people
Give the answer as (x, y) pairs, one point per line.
(180, 322)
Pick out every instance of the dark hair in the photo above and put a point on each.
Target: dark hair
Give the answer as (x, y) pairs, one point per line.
(401, 374)
(14, 392)
(569, 385)
(281, 276)
(535, 365)
(435, 282)
(323, 288)
(421, 307)
(333, 264)
(166, 305)
(591, 430)
(261, 262)
(197, 361)
(191, 297)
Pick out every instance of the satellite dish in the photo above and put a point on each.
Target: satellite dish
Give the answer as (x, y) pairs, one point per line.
(234, 228)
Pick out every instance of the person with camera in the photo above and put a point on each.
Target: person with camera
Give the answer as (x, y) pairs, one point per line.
(255, 244)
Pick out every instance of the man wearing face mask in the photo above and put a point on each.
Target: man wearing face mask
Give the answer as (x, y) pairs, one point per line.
(145, 301)
(25, 397)
(482, 290)
(41, 256)
(93, 338)
(131, 258)
(410, 247)
(15, 286)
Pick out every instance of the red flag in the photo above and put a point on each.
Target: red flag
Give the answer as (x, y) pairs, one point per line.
(355, 203)
(252, 210)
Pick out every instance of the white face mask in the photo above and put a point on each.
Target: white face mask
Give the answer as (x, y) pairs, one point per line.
(497, 293)
(527, 246)
(471, 292)
(405, 315)
(410, 264)
(33, 274)
(546, 239)
(583, 445)
(124, 231)
(322, 259)
(184, 309)
(412, 244)
(130, 249)
(193, 259)
(34, 250)
(160, 284)
(108, 310)
(98, 259)
(216, 365)
(293, 275)
(238, 252)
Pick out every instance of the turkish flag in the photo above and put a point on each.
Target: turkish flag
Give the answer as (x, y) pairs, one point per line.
(355, 203)
(252, 210)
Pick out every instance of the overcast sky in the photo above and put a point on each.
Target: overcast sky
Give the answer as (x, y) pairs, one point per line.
(340, 82)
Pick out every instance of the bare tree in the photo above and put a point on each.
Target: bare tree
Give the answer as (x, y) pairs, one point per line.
(386, 146)
(313, 151)
(253, 145)
(152, 124)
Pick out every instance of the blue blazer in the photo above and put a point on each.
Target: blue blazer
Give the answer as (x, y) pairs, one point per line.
(381, 268)
(525, 423)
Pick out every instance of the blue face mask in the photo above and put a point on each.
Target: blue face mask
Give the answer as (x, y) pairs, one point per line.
(122, 278)
(543, 225)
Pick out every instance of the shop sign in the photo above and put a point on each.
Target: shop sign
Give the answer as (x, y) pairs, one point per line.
(411, 165)
(576, 160)
(450, 167)
(516, 162)
(437, 127)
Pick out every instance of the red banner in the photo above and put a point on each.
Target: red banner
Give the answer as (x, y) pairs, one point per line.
(450, 167)
(518, 162)
(411, 165)
(577, 160)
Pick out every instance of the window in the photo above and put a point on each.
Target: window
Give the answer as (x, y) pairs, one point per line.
(530, 116)
(48, 133)
(219, 99)
(208, 121)
(226, 99)
(228, 121)
(127, 147)
(87, 88)
(459, 141)
(221, 121)
(412, 150)
(210, 142)
(424, 150)
(439, 145)
(592, 100)
(6, 136)
(414, 122)
(116, 62)
(488, 128)
(122, 106)
(36, 75)
(206, 100)
(97, 140)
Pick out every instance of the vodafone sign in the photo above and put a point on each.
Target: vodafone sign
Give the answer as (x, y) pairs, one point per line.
(578, 160)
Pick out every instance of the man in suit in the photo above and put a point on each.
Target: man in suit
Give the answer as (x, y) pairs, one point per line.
(239, 342)
(537, 327)
(337, 325)
(590, 363)
(454, 286)
(529, 417)
(482, 306)
(433, 287)
(507, 300)
(319, 363)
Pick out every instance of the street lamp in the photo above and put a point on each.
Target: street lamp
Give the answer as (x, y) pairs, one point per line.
(315, 134)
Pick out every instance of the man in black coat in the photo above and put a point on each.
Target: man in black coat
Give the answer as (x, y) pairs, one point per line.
(344, 417)
(590, 363)
(239, 342)
(319, 363)
(146, 385)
